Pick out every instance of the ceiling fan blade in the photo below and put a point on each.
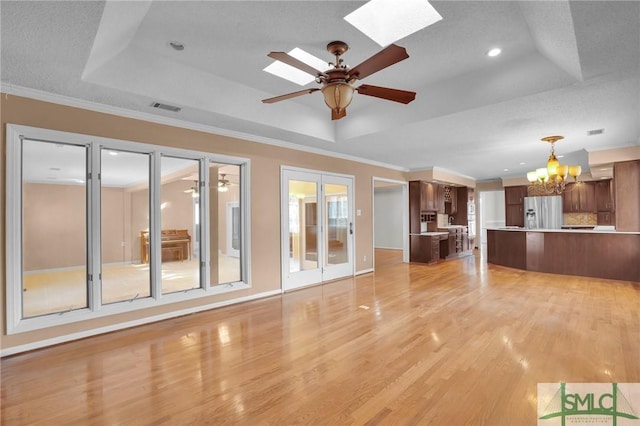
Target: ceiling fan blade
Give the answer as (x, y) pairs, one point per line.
(289, 96)
(402, 96)
(337, 115)
(388, 56)
(296, 63)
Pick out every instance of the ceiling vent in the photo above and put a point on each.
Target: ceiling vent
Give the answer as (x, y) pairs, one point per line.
(165, 106)
(595, 132)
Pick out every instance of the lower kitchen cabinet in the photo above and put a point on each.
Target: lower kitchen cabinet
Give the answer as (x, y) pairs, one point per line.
(424, 248)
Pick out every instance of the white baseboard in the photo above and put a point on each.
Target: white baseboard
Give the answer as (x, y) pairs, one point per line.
(364, 271)
(120, 326)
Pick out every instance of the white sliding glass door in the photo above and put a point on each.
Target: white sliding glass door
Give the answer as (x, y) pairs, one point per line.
(317, 228)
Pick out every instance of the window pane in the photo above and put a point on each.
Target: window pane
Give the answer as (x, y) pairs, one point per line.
(179, 197)
(303, 226)
(226, 220)
(125, 226)
(54, 236)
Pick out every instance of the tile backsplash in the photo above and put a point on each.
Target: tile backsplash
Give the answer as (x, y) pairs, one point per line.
(580, 219)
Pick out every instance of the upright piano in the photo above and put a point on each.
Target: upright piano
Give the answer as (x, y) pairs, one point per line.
(175, 244)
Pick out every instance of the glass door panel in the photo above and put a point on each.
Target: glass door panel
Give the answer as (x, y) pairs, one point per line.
(124, 225)
(301, 243)
(338, 223)
(179, 185)
(54, 228)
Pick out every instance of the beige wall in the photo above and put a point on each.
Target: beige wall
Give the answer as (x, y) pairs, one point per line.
(265, 187)
(54, 233)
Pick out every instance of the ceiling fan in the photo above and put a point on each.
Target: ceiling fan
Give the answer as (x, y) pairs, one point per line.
(337, 82)
(223, 184)
(193, 190)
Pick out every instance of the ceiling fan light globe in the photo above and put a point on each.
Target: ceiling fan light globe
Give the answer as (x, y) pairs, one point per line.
(223, 188)
(337, 95)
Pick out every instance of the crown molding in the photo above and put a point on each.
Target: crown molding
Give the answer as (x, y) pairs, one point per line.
(11, 89)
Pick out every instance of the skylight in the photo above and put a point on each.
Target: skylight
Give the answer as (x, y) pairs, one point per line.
(386, 21)
(295, 75)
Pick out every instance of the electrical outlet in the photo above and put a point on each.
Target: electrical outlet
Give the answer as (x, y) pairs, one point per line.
(365, 258)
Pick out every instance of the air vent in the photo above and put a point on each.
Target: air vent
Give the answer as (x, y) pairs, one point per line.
(165, 106)
(595, 132)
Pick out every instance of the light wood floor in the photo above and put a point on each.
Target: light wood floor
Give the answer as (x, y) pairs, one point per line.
(448, 344)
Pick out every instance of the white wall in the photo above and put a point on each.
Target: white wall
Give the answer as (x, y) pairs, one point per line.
(387, 210)
(491, 212)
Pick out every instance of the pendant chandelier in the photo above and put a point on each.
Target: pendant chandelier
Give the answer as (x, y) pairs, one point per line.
(552, 179)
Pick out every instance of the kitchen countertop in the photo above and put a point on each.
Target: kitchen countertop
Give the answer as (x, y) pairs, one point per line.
(432, 234)
(583, 231)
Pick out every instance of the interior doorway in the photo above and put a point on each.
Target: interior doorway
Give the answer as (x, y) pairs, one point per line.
(391, 216)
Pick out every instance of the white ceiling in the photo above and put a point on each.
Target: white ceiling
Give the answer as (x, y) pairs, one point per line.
(566, 68)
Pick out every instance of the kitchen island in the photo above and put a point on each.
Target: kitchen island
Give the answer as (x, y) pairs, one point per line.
(587, 253)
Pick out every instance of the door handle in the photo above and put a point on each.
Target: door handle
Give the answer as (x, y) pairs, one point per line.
(351, 228)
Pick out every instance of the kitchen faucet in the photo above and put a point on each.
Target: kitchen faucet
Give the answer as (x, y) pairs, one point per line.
(450, 220)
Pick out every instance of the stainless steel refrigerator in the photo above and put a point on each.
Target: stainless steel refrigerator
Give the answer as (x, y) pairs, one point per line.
(543, 212)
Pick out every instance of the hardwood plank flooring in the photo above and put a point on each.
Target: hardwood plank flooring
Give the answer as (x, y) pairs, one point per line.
(459, 342)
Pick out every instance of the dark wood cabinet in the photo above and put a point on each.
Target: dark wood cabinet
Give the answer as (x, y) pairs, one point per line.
(606, 218)
(587, 191)
(515, 194)
(626, 178)
(429, 196)
(514, 215)
(415, 206)
(424, 248)
(568, 203)
(439, 201)
(579, 197)
(604, 201)
(514, 205)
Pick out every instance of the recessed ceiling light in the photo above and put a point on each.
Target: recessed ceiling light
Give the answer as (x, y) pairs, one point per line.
(494, 52)
(176, 45)
(387, 21)
(522, 163)
(295, 75)
(113, 153)
(505, 170)
(560, 156)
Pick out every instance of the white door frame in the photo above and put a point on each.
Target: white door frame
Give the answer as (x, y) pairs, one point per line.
(405, 216)
(314, 276)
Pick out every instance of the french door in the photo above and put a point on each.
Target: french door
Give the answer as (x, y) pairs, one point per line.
(317, 227)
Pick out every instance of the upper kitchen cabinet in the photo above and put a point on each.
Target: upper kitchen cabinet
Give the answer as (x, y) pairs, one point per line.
(432, 199)
(515, 194)
(514, 205)
(604, 200)
(626, 178)
(579, 197)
